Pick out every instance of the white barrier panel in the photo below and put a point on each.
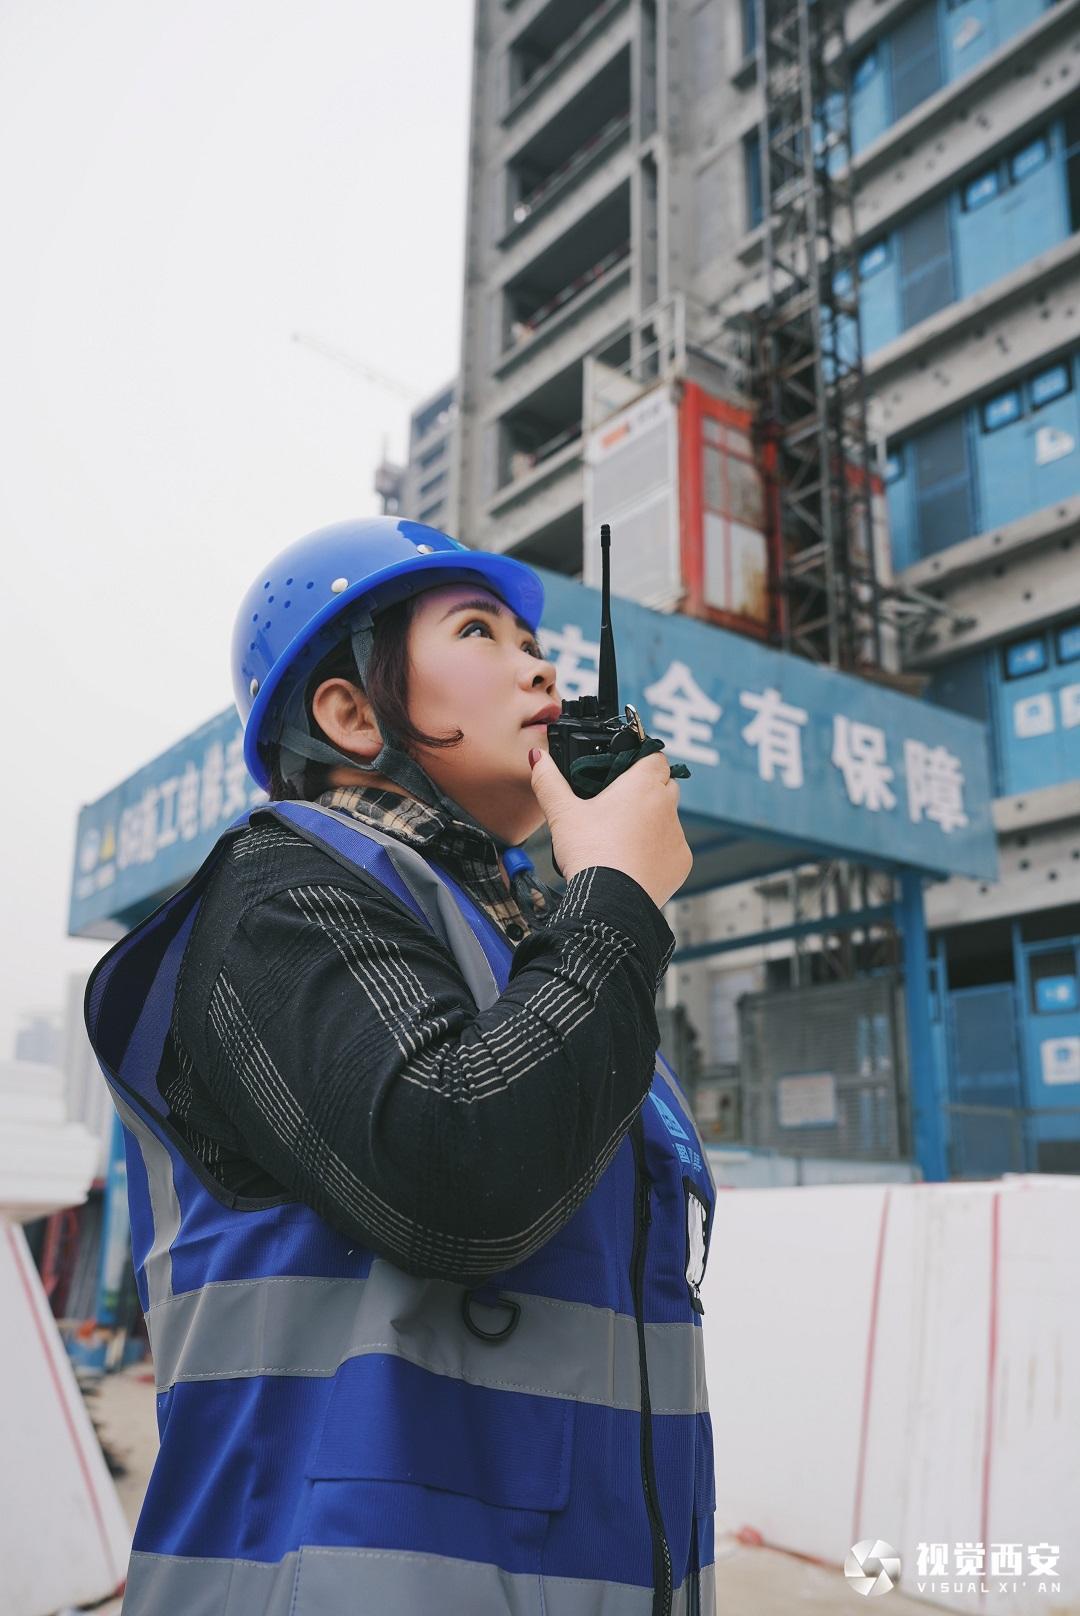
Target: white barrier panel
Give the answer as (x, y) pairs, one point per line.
(63, 1537)
(902, 1362)
(746, 1167)
(46, 1162)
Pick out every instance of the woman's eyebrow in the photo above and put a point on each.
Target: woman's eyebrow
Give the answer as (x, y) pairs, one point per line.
(481, 605)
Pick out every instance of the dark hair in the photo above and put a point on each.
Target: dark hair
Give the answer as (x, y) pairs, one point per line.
(386, 687)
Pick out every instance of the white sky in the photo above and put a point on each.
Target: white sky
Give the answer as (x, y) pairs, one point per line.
(184, 184)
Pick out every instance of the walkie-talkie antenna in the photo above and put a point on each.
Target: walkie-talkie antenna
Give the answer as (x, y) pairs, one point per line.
(607, 692)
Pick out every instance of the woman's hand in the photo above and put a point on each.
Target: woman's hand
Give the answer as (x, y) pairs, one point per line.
(632, 825)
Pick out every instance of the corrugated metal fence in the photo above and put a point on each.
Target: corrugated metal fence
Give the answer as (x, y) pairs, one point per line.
(822, 1070)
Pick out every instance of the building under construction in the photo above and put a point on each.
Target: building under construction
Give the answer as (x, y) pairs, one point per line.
(790, 295)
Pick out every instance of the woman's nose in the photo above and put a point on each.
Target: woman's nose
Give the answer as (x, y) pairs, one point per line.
(543, 673)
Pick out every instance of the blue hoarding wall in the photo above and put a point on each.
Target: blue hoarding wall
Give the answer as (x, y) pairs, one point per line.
(1036, 695)
(1000, 215)
(933, 44)
(777, 747)
(1013, 452)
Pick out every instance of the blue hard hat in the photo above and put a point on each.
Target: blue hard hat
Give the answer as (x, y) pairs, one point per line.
(281, 627)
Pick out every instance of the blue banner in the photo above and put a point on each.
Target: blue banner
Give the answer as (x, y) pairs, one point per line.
(778, 748)
(782, 748)
(145, 838)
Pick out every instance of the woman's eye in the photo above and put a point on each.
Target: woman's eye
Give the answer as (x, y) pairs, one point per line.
(530, 645)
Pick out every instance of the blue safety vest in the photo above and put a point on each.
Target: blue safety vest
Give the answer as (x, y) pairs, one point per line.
(340, 1436)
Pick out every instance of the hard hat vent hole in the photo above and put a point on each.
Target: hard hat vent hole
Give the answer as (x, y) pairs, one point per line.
(269, 600)
(311, 584)
(288, 581)
(255, 617)
(266, 585)
(251, 647)
(288, 603)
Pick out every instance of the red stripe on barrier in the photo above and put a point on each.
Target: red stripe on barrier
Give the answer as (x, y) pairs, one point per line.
(750, 1538)
(868, 1372)
(47, 1352)
(991, 1374)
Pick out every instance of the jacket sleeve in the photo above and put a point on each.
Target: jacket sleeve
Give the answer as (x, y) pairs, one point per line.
(343, 1045)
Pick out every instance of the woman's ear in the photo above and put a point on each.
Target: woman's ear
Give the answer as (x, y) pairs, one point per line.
(347, 718)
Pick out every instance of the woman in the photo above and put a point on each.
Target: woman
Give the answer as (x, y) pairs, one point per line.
(420, 1266)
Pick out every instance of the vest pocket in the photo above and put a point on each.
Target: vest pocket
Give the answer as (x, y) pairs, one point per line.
(388, 1420)
(697, 1225)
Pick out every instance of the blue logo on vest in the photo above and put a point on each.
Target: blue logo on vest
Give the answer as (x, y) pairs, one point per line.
(669, 1119)
(677, 1132)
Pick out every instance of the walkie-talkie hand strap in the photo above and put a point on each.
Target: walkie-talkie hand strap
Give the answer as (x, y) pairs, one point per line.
(589, 775)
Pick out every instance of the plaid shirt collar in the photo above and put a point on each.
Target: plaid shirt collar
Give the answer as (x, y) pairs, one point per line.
(468, 854)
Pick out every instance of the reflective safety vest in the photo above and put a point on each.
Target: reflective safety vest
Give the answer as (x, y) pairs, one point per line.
(340, 1436)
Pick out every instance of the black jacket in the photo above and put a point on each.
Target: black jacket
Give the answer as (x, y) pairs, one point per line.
(313, 1007)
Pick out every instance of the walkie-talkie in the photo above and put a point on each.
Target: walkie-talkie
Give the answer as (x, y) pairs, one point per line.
(591, 744)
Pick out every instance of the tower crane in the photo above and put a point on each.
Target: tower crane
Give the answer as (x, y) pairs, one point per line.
(388, 474)
(347, 361)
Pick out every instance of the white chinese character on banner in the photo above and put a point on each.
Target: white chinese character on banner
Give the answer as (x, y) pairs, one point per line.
(167, 828)
(1033, 715)
(137, 836)
(969, 1558)
(150, 799)
(775, 733)
(237, 779)
(935, 785)
(128, 835)
(213, 774)
(1043, 1558)
(859, 753)
(1006, 1559)
(932, 1559)
(1069, 697)
(686, 726)
(569, 651)
(187, 803)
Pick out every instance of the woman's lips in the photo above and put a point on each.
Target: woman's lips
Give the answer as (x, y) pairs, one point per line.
(546, 716)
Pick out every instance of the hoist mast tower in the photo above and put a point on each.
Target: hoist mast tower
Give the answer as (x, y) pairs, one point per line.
(808, 367)
(808, 377)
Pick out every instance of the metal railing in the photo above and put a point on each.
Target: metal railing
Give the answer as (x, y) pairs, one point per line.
(523, 330)
(563, 176)
(545, 72)
(523, 461)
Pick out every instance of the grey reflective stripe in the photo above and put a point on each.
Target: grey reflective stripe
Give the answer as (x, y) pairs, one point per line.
(391, 1582)
(706, 1593)
(164, 1203)
(437, 902)
(235, 1329)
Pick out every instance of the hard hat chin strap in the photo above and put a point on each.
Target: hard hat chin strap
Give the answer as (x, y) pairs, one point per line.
(298, 746)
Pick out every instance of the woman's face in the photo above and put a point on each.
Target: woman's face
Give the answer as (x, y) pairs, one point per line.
(473, 667)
